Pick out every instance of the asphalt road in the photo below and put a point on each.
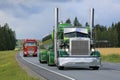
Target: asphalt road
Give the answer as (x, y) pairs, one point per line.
(108, 71)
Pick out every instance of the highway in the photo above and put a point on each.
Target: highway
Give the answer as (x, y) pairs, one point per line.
(108, 71)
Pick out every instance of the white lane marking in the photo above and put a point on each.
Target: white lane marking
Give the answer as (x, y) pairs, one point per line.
(47, 69)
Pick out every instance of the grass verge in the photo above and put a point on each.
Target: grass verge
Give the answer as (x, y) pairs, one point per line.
(9, 68)
(111, 58)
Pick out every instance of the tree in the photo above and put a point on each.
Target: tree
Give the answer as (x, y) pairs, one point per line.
(118, 32)
(68, 21)
(86, 24)
(112, 36)
(76, 22)
(7, 38)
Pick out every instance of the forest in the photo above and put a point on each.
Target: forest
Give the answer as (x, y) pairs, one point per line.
(108, 35)
(7, 38)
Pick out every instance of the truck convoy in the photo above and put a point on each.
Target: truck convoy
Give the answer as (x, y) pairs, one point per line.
(70, 46)
(30, 47)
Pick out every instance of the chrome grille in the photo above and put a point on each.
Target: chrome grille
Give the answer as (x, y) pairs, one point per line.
(80, 47)
(30, 50)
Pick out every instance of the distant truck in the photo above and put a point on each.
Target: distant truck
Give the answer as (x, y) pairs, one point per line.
(30, 47)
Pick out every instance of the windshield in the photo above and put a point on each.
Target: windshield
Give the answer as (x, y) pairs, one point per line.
(30, 44)
(75, 34)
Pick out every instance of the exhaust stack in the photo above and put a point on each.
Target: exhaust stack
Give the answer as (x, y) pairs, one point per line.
(55, 34)
(92, 21)
(92, 25)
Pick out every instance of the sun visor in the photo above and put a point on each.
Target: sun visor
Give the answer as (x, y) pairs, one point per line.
(81, 30)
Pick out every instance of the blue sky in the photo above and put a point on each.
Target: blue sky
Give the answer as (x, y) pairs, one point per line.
(35, 18)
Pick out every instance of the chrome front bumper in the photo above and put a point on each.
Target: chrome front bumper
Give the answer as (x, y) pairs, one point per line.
(79, 61)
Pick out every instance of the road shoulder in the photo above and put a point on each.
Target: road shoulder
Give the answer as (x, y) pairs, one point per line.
(28, 70)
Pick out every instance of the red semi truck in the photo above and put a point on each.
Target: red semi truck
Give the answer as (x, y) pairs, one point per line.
(30, 47)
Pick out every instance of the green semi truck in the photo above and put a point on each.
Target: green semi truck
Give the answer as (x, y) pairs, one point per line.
(70, 46)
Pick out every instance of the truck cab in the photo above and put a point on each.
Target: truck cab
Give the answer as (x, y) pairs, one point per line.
(77, 50)
(30, 47)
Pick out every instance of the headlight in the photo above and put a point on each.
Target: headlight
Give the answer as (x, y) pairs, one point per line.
(93, 50)
(25, 52)
(66, 50)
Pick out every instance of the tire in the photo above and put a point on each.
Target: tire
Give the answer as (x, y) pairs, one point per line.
(48, 60)
(40, 61)
(35, 55)
(95, 68)
(61, 67)
(48, 64)
(24, 55)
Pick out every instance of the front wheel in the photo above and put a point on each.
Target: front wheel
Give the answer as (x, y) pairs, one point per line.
(35, 55)
(24, 55)
(40, 61)
(61, 67)
(95, 68)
